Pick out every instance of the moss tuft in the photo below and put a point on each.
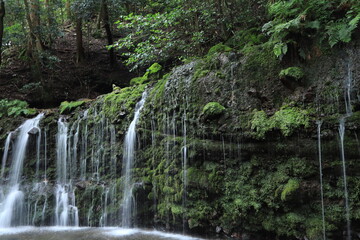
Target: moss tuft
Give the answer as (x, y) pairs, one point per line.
(67, 107)
(152, 73)
(213, 110)
(219, 48)
(291, 186)
(293, 72)
(287, 119)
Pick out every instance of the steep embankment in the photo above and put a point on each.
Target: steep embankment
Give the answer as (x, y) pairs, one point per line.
(58, 76)
(225, 144)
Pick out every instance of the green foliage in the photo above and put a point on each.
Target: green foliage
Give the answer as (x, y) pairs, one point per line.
(294, 72)
(294, 21)
(67, 107)
(218, 48)
(13, 108)
(342, 29)
(287, 119)
(213, 109)
(260, 123)
(182, 29)
(291, 186)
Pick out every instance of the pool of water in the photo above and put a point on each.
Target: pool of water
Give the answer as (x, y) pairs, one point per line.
(64, 233)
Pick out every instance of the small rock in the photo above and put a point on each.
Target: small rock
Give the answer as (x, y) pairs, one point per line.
(34, 131)
(218, 229)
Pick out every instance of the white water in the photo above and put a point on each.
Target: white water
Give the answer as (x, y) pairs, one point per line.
(11, 207)
(128, 161)
(347, 208)
(319, 123)
(5, 156)
(184, 168)
(66, 212)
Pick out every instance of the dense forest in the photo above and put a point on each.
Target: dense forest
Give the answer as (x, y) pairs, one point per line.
(221, 118)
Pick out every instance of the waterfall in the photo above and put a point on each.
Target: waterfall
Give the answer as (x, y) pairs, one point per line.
(66, 212)
(11, 207)
(348, 88)
(128, 161)
(184, 167)
(5, 156)
(319, 123)
(347, 208)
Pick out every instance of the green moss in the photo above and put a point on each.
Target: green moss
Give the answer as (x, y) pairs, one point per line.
(213, 109)
(122, 101)
(291, 186)
(219, 48)
(138, 80)
(155, 68)
(294, 72)
(287, 119)
(67, 107)
(152, 73)
(260, 123)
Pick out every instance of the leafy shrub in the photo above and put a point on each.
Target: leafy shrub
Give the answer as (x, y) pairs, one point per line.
(15, 108)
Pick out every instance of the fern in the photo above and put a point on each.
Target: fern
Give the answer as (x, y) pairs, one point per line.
(15, 108)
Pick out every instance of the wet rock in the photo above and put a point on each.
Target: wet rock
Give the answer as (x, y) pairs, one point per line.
(34, 131)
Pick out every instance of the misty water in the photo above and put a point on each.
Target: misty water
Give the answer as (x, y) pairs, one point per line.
(68, 233)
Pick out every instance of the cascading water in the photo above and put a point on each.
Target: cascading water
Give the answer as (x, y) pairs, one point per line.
(66, 212)
(348, 106)
(184, 167)
(128, 161)
(346, 193)
(5, 156)
(11, 208)
(319, 123)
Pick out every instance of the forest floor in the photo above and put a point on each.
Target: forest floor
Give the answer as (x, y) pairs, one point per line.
(60, 77)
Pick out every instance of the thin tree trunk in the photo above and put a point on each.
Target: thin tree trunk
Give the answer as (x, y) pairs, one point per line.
(100, 17)
(49, 19)
(80, 52)
(31, 40)
(108, 31)
(36, 25)
(68, 9)
(2, 16)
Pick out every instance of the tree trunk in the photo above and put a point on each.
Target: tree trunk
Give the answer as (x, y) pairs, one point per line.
(31, 39)
(68, 9)
(100, 17)
(80, 53)
(108, 31)
(35, 22)
(2, 16)
(50, 22)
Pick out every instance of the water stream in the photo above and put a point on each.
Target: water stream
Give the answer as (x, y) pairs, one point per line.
(11, 207)
(128, 162)
(319, 123)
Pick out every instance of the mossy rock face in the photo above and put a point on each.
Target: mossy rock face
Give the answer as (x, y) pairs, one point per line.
(67, 107)
(213, 110)
(152, 73)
